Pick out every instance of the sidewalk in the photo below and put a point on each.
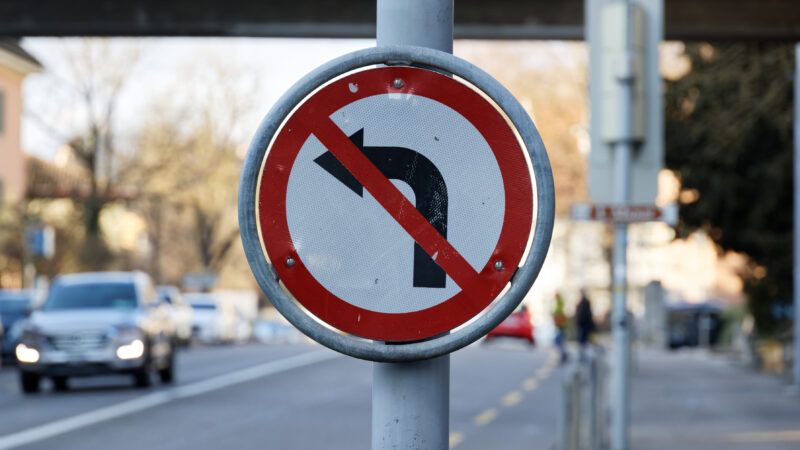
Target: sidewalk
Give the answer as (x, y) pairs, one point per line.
(690, 400)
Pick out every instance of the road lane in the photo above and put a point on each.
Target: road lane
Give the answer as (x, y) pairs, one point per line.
(494, 403)
(306, 408)
(20, 411)
(324, 405)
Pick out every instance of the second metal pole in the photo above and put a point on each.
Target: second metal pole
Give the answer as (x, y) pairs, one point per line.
(411, 401)
(623, 151)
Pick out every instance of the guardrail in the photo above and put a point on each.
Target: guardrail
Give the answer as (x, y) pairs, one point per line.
(584, 410)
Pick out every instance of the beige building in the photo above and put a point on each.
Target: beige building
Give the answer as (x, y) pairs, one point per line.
(15, 64)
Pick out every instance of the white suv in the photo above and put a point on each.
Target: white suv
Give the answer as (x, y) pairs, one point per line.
(94, 324)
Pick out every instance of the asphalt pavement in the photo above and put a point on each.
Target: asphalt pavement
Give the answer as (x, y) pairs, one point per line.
(504, 395)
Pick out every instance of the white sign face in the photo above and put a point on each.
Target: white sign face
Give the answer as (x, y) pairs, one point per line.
(348, 241)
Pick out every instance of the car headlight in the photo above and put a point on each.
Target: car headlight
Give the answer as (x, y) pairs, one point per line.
(26, 355)
(132, 350)
(129, 340)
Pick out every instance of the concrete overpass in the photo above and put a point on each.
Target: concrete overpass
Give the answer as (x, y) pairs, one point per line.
(480, 19)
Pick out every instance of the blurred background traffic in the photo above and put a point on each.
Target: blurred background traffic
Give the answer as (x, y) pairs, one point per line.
(121, 264)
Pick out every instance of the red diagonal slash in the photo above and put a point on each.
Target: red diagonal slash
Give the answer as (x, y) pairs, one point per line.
(395, 203)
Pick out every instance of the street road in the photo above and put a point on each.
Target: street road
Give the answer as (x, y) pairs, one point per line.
(503, 396)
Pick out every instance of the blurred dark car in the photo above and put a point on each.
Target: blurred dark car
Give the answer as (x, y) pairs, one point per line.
(95, 324)
(517, 325)
(692, 325)
(15, 306)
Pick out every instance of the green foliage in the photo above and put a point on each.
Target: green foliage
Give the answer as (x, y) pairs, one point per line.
(729, 140)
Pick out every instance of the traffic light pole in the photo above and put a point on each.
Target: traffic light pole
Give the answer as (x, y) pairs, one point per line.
(623, 148)
(411, 401)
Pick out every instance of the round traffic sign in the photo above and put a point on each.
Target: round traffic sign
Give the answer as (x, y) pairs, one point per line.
(395, 203)
(398, 196)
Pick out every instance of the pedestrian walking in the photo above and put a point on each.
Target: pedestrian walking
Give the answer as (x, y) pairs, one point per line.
(560, 322)
(584, 322)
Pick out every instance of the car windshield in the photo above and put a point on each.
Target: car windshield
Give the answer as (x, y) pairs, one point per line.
(91, 296)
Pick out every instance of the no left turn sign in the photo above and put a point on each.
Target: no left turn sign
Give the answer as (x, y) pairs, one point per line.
(394, 203)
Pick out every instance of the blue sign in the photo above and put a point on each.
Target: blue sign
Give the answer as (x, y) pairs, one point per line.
(41, 241)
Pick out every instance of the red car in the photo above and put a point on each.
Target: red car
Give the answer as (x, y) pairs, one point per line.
(517, 325)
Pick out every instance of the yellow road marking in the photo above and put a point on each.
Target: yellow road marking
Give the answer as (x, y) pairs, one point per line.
(485, 417)
(512, 398)
(530, 384)
(456, 437)
(543, 373)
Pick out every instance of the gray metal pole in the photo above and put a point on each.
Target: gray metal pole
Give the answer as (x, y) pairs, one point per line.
(620, 367)
(623, 150)
(411, 401)
(426, 23)
(797, 216)
(411, 404)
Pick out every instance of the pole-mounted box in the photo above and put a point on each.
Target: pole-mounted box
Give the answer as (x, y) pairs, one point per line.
(609, 60)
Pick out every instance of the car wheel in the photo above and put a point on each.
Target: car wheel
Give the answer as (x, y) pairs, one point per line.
(29, 382)
(141, 378)
(60, 384)
(167, 374)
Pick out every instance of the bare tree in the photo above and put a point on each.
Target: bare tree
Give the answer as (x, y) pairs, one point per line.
(188, 162)
(83, 116)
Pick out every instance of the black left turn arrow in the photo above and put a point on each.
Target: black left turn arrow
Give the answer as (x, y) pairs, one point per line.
(413, 168)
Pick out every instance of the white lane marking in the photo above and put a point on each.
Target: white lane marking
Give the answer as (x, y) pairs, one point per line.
(42, 432)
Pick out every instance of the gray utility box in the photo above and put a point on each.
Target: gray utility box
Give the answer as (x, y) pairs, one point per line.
(606, 36)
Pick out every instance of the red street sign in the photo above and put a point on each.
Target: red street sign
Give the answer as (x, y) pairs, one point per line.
(395, 203)
(623, 213)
